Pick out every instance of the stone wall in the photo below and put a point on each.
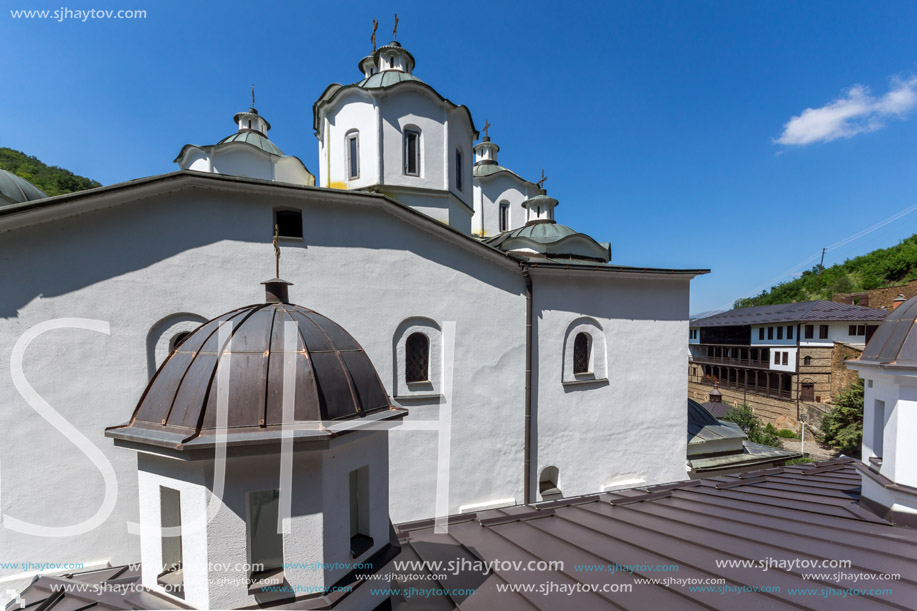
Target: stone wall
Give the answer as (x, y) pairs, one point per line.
(817, 372)
(877, 298)
(841, 377)
(779, 412)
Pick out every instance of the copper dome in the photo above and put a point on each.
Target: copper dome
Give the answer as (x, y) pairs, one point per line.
(334, 380)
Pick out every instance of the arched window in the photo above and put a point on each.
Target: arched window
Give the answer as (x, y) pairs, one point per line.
(417, 358)
(177, 339)
(412, 151)
(504, 216)
(353, 154)
(807, 361)
(581, 353)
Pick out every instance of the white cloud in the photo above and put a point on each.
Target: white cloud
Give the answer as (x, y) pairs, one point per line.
(856, 112)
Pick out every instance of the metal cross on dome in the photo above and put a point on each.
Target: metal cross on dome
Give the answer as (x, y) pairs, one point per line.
(540, 183)
(276, 242)
(253, 95)
(487, 126)
(395, 29)
(375, 27)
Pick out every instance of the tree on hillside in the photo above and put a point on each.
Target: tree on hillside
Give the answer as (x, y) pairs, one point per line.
(842, 427)
(50, 179)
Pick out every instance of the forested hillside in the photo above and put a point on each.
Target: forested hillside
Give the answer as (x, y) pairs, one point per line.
(880, 268)
(50, 179)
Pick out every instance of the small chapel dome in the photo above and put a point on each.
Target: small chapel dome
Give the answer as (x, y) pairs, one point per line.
(334, 379)
(16, 190)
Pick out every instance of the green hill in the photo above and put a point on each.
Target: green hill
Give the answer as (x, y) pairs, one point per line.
(880, 268)
(50, 179)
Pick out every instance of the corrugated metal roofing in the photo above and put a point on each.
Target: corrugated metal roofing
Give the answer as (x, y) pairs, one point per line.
(255, 139)
(791, 312)
(895, 341)
(800, 512)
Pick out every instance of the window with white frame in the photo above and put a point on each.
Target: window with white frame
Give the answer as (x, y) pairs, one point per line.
(504, 216)
(584, 353)
(353, 154)
(417, 358)
(418, 347)
(412, 151)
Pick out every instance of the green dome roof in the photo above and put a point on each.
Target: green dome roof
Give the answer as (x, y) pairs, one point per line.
(549, 239)
(255, 139)
(387, 78)
(16, 190)
(546, 232)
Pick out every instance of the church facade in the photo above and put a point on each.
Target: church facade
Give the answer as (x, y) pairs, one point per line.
(509, 338)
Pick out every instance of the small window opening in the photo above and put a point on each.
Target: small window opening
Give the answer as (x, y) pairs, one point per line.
(810, 331)
(360, 541)
(878, 428)
(353, 156)
(761, 333)
(789, 332)
(581, 353)
(779, 332)
(823, 332)
(412, 152)
(807, 361)
(417, 358)
(288, 223)
(265, 542)
(177, 339)
(459, 172)
(548, 484)
(171, 576)
(504, 216)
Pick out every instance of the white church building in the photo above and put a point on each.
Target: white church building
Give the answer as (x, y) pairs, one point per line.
(530, 366)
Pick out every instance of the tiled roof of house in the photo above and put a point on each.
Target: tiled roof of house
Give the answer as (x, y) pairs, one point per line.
(806, 311)
(794, 513)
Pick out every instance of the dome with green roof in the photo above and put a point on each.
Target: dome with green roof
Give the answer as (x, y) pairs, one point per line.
(255, 139)
(16, 189)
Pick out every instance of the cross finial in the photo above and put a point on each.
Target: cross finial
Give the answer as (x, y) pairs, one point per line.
(276, 243)
(253, 95)
(540, 183)
(395, 30)
(375, 27)
(486, 127)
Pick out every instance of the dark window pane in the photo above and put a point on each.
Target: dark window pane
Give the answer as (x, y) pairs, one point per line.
(458, 170)
(417, 358)
(412, 152)
(581, 353)
(810, 331)
(504, 216)
(289, 223)
(789, 332)
(353, 157)
(786, 357)
(852, 330)
(779, 332)
(823, 332)
(770, 333)
(761, 333)
(861, 330)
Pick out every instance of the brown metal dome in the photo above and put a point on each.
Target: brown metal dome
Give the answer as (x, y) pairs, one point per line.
(895, 341)
(334, 379)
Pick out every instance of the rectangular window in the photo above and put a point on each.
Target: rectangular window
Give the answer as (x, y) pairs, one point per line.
(861, 329)
(770, 333)
(459, 170)
(786, 356)
(822, 331)
(789, 331)
(504, 216)
(810, 331)
(288, 223)
(412, 152)
(353, 156)
(170, 511)
(761, 333)
(878, 428)
(360, 541)
(779, 332)
(265, 543)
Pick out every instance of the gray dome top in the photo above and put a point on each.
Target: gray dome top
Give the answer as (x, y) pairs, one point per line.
(255, 139)
(895, 341)
(549, 239)
(16, 190)
(334, 378)
(387, 78)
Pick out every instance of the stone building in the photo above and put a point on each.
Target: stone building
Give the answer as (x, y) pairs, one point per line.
(783, 360)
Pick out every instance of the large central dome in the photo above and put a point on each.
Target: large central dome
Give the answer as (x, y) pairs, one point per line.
(248, 347)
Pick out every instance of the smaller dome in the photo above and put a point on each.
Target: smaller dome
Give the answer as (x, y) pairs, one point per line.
(546, 238)
(334, 380)
(387, 79)
(16, 190)
(895, 341)
(255, 139)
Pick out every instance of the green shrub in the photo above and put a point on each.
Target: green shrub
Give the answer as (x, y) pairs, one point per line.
(751, 425)
(842, 427)
(798, 461)
(787, 434)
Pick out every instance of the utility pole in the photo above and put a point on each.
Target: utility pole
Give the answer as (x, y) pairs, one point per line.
(821, 265)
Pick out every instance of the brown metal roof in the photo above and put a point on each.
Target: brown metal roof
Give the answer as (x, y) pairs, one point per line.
(807, 311)
(335, 380)
(800, 512)
(895, 341)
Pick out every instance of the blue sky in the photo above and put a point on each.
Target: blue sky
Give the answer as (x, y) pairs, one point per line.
(677, 131)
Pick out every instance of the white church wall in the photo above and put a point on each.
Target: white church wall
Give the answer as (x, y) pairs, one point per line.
(243, 160)
(460, 137)
(206, 252)
(495, 190)
(631, 427)
(354, 111)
